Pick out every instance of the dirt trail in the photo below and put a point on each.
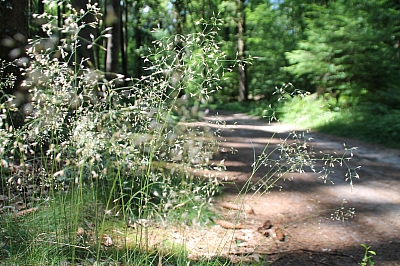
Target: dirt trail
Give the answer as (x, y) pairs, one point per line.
(301, 209)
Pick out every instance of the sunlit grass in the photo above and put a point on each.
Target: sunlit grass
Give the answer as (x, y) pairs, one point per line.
(92, 160)
(107, 175)
(367, 121)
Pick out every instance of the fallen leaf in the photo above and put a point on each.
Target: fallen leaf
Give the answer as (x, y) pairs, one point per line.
(229, 225)
(248, 209)
(264, 228)
(25, 212)
(264, 232)
(279, 234)
(266, 225)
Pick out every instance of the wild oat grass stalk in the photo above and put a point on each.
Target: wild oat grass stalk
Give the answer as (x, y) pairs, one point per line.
(93, 157)
(293, 155)
(97, 152)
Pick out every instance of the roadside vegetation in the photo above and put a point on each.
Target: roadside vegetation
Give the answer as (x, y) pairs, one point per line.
(368, 121)
(92, 162)
(94, 159)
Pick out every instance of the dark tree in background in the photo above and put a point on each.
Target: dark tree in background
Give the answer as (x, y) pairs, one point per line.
(137, 38)
(14, 31)
(123, 22)
(114, 41)
(241, 25)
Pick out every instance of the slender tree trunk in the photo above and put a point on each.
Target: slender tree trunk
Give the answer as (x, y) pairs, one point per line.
(59, 16)
(241, 48)
(105, 40)
(14, 31)
(123, 28)
(138, 68)
(38, 23)
(180, 20)
(113, 43)
(40, 8)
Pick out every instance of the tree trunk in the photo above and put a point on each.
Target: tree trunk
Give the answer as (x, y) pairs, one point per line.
(40, 8)
(13, 28)
(241, 48)
(123, 42)
(180, 20)
(113, 42)
(137, 31)
(13, 33)
(37, 23)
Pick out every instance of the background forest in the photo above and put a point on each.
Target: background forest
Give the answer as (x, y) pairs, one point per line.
(344, 53)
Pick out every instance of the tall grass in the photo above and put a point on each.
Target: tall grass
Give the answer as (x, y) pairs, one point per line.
(92, 156)
(363, 120)
(95, 164)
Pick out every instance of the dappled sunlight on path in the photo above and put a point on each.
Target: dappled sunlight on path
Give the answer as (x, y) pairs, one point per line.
(303, 204)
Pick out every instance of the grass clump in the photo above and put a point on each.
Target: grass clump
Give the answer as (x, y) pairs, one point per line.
(367, 121)
(361, 123)
(95, 166)
(91, 153)
(364, 120)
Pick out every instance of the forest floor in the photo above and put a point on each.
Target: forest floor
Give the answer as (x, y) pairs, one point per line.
(292, 225)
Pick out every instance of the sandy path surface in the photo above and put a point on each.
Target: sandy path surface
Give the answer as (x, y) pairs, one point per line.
(301, 206)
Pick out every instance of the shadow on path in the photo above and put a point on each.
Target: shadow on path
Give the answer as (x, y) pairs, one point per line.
(304, 202)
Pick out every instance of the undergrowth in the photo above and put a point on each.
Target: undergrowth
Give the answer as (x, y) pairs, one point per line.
(95, 169)
(90, 153)
(370, 122)
(366, 121)
(254, 108)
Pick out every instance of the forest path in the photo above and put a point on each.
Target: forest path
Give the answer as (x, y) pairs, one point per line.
(302, 207)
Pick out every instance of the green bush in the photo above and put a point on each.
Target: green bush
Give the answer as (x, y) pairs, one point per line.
(367, 121)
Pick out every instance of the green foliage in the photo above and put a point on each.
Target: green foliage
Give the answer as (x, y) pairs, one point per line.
(347, 53)
(267, 41)
(369, 122)
(307, 111)
(127, 151)
(368, 255)
(347, 50)
(364, 124)
(255, 108)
